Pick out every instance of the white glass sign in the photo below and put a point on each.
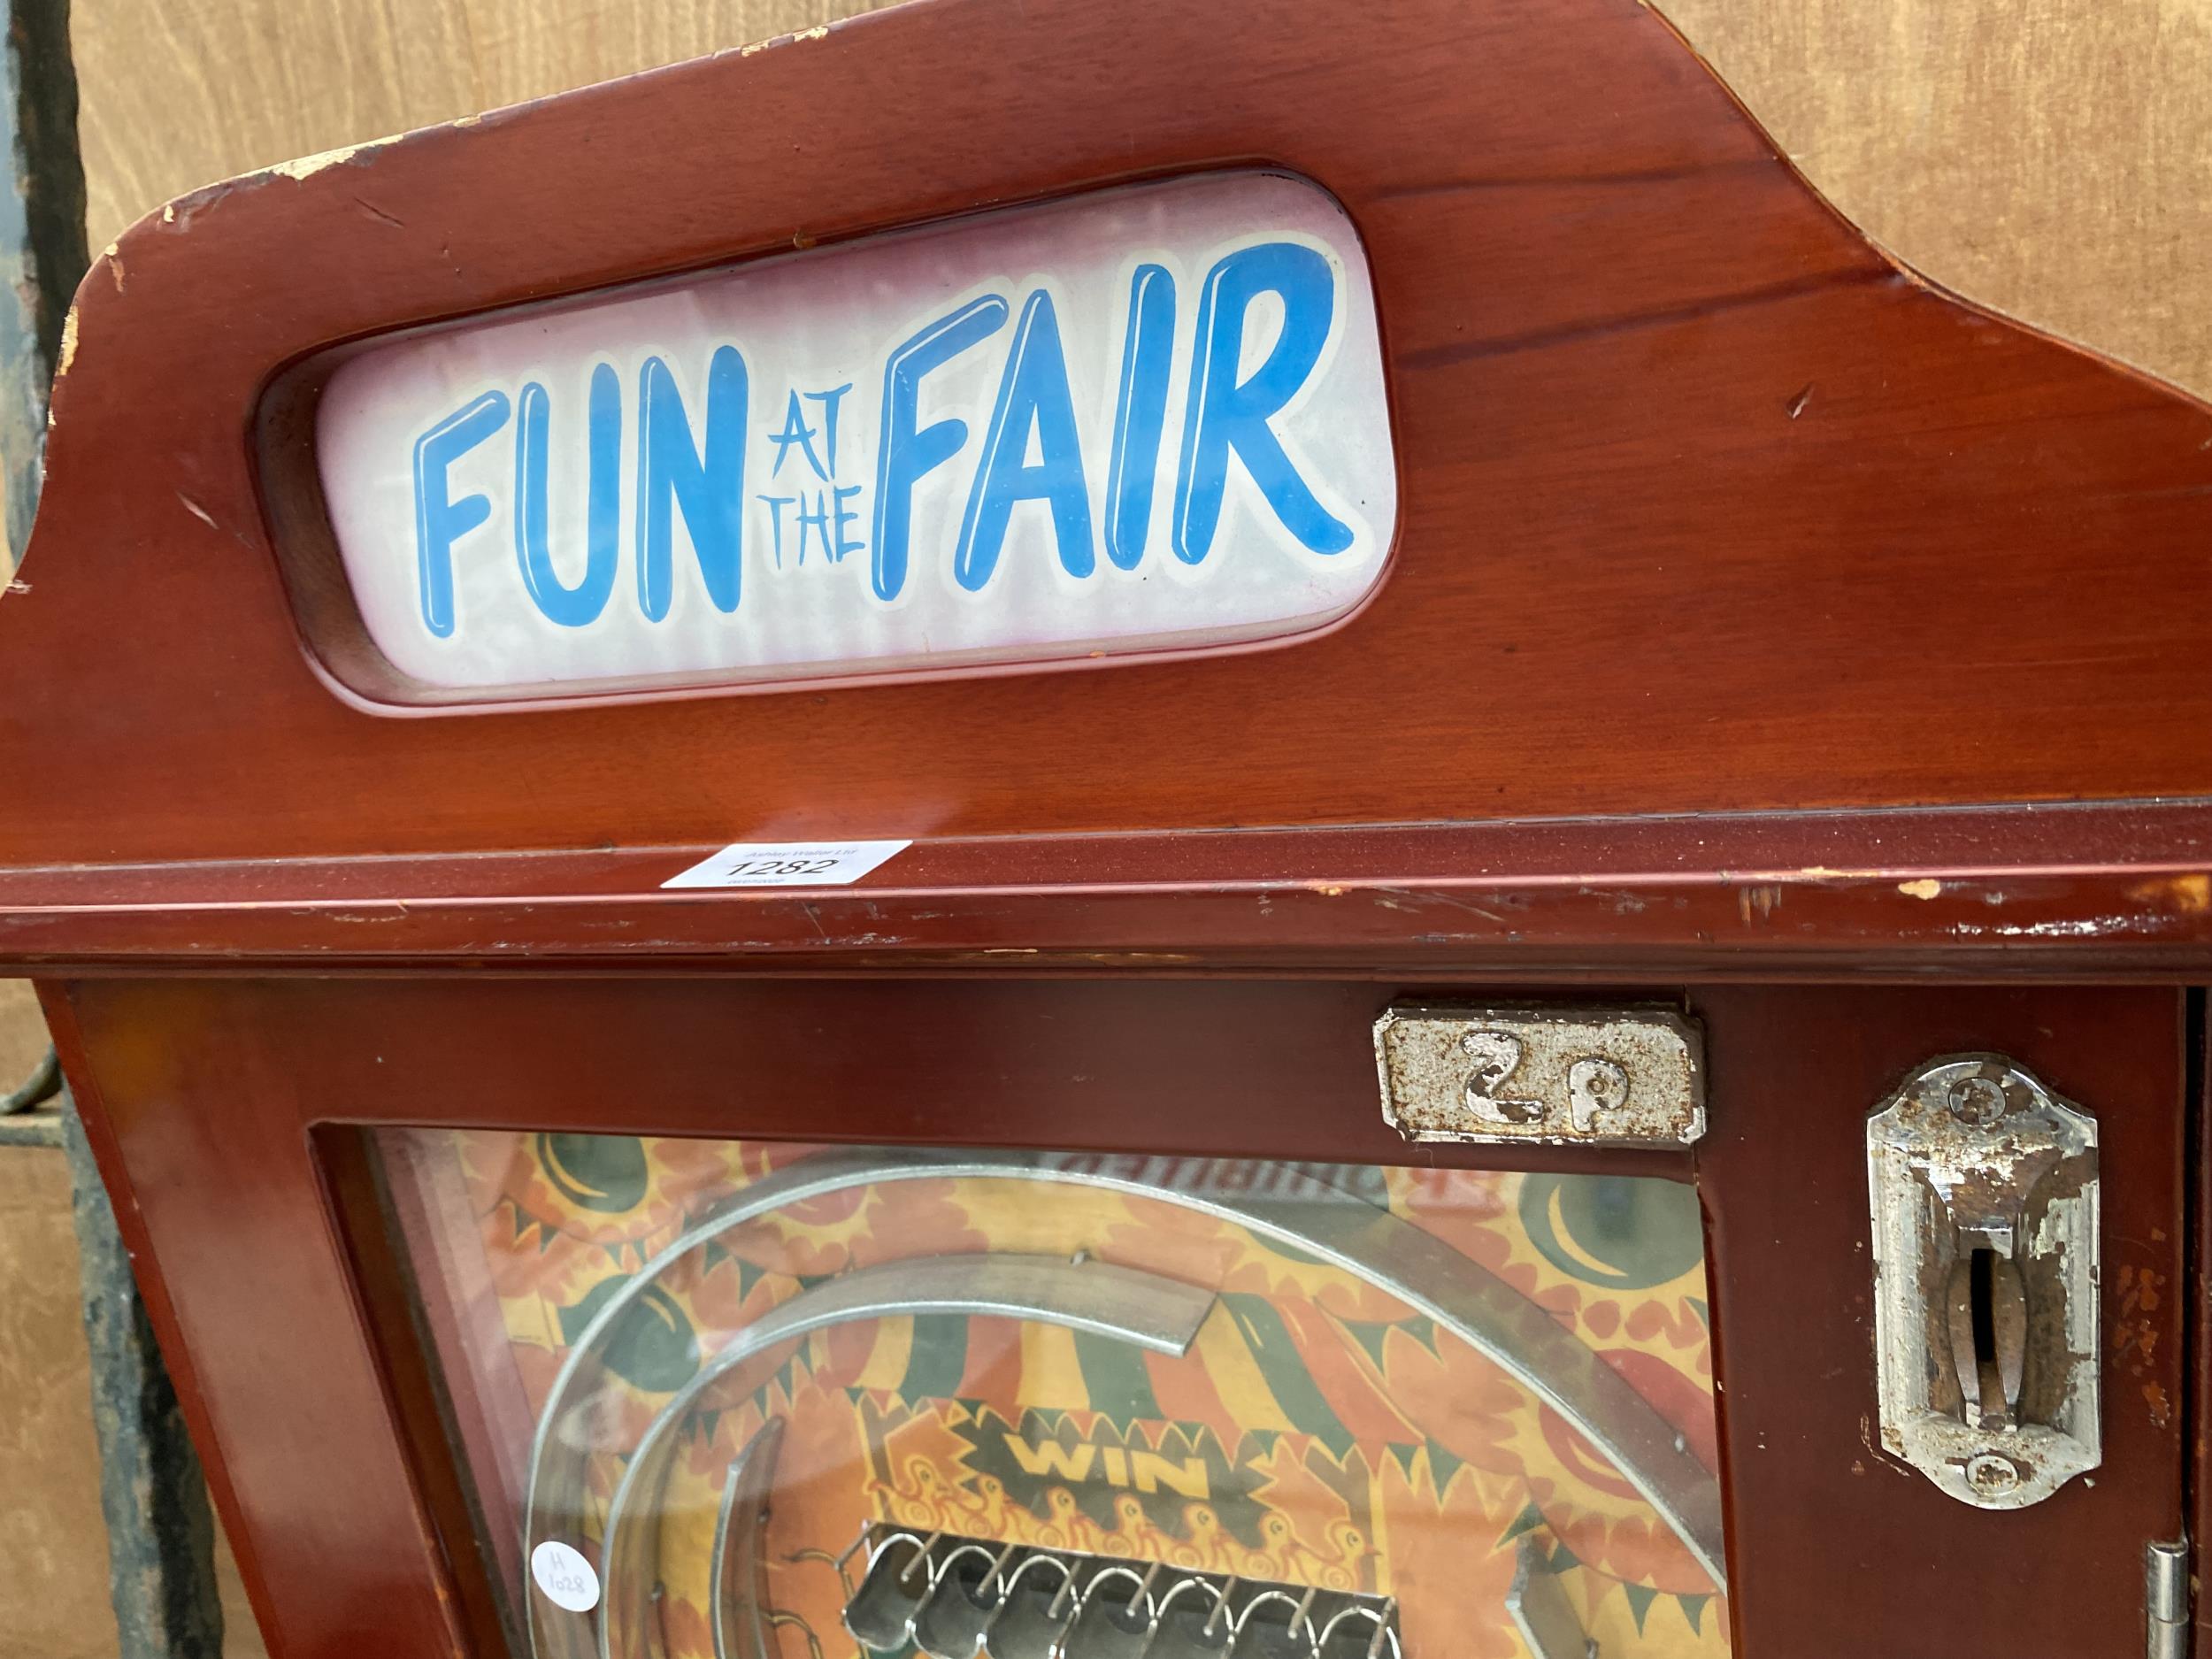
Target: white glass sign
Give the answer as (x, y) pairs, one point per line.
(1147, 420)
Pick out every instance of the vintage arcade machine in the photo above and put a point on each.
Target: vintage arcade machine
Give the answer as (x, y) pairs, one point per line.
(1126, 831)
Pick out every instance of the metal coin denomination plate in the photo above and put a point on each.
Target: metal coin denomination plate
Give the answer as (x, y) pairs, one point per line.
(1548, 1073)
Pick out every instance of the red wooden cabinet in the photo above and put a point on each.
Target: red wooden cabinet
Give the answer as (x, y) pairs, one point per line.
(1462, 869)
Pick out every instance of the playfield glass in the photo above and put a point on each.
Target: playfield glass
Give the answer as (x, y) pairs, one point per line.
(762, 1401)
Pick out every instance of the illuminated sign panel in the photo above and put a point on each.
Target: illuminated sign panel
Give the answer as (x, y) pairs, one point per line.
(1147, 420)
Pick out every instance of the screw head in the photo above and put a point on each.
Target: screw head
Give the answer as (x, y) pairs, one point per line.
(1992, 1475)
(1977, 1101)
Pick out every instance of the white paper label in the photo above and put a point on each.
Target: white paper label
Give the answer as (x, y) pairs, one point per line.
(566, 1576)
(1149, 418)
(787, 864)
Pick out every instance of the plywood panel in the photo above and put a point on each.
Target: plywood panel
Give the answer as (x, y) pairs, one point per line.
(2043, 156)
(180, 93)
(241, 1637)
(53, 1543)
(22, 1032)
(2048, 157)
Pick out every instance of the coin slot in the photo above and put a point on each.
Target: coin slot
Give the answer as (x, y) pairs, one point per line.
(1989, 1321)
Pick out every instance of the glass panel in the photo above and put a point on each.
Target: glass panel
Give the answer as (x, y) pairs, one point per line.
(828, 454)
(755, 1399)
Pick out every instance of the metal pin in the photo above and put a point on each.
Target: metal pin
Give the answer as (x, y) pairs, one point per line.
(952, 1622)
(1291, 1632)
(997, 1567)
(1379, 1618)
(1020, 1627)
(1103, 1631)
(881, 1613)
(1382, 1627)
(1221, 1603)
(1188, 1632)
(921, 1557)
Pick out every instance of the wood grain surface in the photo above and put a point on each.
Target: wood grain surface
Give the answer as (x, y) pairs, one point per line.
(2046, 157)
(1705, 507)
(329, 1475)
(2080, 894)
(22, 1033)
(1834, 1550)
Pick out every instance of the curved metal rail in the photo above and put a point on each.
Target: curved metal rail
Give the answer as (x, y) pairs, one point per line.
(737, 1595)
(1160, 1314)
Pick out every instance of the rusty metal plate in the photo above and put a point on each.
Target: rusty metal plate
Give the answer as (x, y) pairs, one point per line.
(1984, 1190)
(1551, 1073)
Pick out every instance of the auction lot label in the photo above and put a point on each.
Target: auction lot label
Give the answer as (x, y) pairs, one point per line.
(1145, 419)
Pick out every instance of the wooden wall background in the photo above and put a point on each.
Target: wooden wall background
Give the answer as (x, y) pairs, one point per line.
(53, 1550)
(2051, 158)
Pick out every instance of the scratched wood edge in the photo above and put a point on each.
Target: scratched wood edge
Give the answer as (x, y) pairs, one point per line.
(186, 201)
(2079, 890)
(303, 168)
(43, 923)
(2122, 368)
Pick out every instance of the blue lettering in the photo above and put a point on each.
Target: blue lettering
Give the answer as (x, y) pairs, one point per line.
(903, 453)
(1148, 352)
(828, 400)
(580, 605)
(795, 431)
(1032, 397)
(707, 484)
(776, 504)
(845, 544)
(1225, 414)
(820, 519)
(440, 522)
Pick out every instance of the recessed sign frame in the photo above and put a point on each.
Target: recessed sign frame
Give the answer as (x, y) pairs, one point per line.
(1141, 421)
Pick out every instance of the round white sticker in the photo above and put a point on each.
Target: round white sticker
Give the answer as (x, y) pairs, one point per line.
(566, 1576)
